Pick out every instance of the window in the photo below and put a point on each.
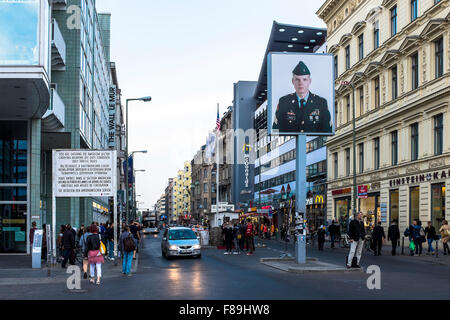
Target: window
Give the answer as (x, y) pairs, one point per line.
(347, 99)
(361, 101)
(394, 147)
(361, 157)
(394, 83)
(336, 73)
(413, 10)
(414, 141)
(438, 134)
(415, 71)
(205, 173)
(361, 46)
(394, 21)
(205, 187)
(439, 57)
(335, 156)
(335, 113)
(347, 57)
(347, 161)
(376, 153)
(394, 204)
(376, 83)
(376, 35)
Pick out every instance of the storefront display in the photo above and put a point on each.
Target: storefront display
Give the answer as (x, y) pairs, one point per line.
(437, 204)
(371, 209)
(342, 211)
(394, 205)
(414, 198)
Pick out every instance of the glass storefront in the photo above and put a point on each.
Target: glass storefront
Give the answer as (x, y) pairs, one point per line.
(414, 201)
(371, 209)
(13, 186)
(394, 205)
(437, 204)
(342, 211)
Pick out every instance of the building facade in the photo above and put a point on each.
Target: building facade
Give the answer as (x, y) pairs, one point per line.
(182, 194)
(395, 54)
(169, 199)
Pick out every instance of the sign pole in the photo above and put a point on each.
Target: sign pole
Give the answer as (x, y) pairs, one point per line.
(217, 171)
(300, 199)
(54, 208)
(114, 166)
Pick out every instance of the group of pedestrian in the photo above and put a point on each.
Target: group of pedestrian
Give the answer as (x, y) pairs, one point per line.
(417, 235)
(241, 235)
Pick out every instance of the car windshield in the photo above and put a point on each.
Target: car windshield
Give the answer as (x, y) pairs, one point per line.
(182, 234)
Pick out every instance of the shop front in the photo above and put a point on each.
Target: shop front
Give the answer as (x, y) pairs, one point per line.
(370, 207)
(316, 213)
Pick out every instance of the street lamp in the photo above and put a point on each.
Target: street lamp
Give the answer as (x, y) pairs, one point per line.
(134, 189)
(144, 99)
(355, 187)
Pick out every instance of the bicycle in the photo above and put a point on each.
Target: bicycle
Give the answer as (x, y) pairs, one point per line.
(344, 241)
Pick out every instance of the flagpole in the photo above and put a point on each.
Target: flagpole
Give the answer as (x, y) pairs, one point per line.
(217, 164)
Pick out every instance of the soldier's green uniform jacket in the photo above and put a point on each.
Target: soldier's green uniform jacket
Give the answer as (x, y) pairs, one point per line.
(313, 117)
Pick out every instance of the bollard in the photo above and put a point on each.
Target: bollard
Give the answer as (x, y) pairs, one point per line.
(403, 246)
(437, 249)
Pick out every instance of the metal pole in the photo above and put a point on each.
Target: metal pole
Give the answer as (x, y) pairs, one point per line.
(126, 167)
(217, 170)
(54, 207)
(355, 187)
(115, 207)
(300, 198)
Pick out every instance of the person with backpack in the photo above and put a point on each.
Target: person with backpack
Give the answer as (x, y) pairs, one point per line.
(83, 243)
(430, 231)
(418, 236)
(127, 244)
(95, 257)
(249, 231)
(394, 236)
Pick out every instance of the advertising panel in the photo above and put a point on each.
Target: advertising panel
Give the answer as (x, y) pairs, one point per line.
(84, 173)
(300, 94)
(112, 117)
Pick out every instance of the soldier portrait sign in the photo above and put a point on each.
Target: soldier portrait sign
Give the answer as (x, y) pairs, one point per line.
(301, 94)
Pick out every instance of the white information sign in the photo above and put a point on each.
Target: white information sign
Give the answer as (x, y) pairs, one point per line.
(84, 173)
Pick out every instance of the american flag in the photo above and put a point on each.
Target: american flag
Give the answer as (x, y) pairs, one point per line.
(218, 120)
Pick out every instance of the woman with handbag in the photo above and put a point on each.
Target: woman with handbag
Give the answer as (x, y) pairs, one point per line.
(445, 233)
(95, 257)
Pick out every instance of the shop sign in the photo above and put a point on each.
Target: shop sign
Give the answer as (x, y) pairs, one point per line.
(341, 191)
(420, 178)
(362, 192)
(315, 200)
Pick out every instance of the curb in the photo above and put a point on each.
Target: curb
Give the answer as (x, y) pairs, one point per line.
(318, 267)
(284, 259)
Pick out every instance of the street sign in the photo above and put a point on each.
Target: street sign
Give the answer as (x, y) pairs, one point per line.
(362, 192)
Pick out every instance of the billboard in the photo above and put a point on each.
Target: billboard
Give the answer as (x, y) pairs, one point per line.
(84, 173)
(300, 94)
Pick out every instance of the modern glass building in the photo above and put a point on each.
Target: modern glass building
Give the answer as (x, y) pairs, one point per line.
(54, 82)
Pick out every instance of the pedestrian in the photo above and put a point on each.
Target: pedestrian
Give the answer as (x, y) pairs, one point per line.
(83, 244)
(236, 236)
(321, 237)
(332, 230)
(377, 237)
(394, 235)
(419, 236)
(44, 243)
(409, 232)
(68, 244)
(135, 232)
(242, 230)
(81, 232)
(282, 232)
(109, 235)
(59, 241)
(95, 257)
(249, 231)
(227, 230)
(356, 234)
(445, 233)
(265, 231)
(127, 245)
(272, 231)
(32, 230)
(430, 231)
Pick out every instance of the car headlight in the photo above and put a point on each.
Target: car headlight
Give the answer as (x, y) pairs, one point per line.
(197, 247)
(173, 247)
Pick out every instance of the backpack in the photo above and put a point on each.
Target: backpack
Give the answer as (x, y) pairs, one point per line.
(93, 243)
(422, 232)
(128, 244)
(249, 231)
(406, 233)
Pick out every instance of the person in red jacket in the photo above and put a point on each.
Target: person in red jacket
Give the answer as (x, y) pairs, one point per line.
(249, 237)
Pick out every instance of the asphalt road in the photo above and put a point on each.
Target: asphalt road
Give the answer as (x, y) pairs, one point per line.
(236, 277)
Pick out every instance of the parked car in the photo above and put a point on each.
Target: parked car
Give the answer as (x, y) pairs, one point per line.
(180, 242)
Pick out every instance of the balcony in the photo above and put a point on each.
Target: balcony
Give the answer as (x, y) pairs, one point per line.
(24, 59)
(53, 119)
(58, 48)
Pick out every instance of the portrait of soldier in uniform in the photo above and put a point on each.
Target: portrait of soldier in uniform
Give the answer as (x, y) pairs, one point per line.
(302, 111)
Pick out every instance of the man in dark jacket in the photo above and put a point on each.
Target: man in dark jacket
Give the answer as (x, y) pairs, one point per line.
(394, 235)
(332, 230)
(68, 243)
(357, 234)
(321, 237)
(430, 231)
(377, 237)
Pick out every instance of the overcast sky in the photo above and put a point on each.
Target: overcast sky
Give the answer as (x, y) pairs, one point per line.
(187, 54)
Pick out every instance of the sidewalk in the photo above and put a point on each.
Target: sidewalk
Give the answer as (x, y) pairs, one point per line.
(16, 270)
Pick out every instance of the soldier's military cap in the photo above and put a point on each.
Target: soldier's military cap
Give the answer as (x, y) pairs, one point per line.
(301, 69)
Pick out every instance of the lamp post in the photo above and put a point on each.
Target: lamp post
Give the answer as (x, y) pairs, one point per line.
(127, 185)
(355, 187)
(144, 99)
